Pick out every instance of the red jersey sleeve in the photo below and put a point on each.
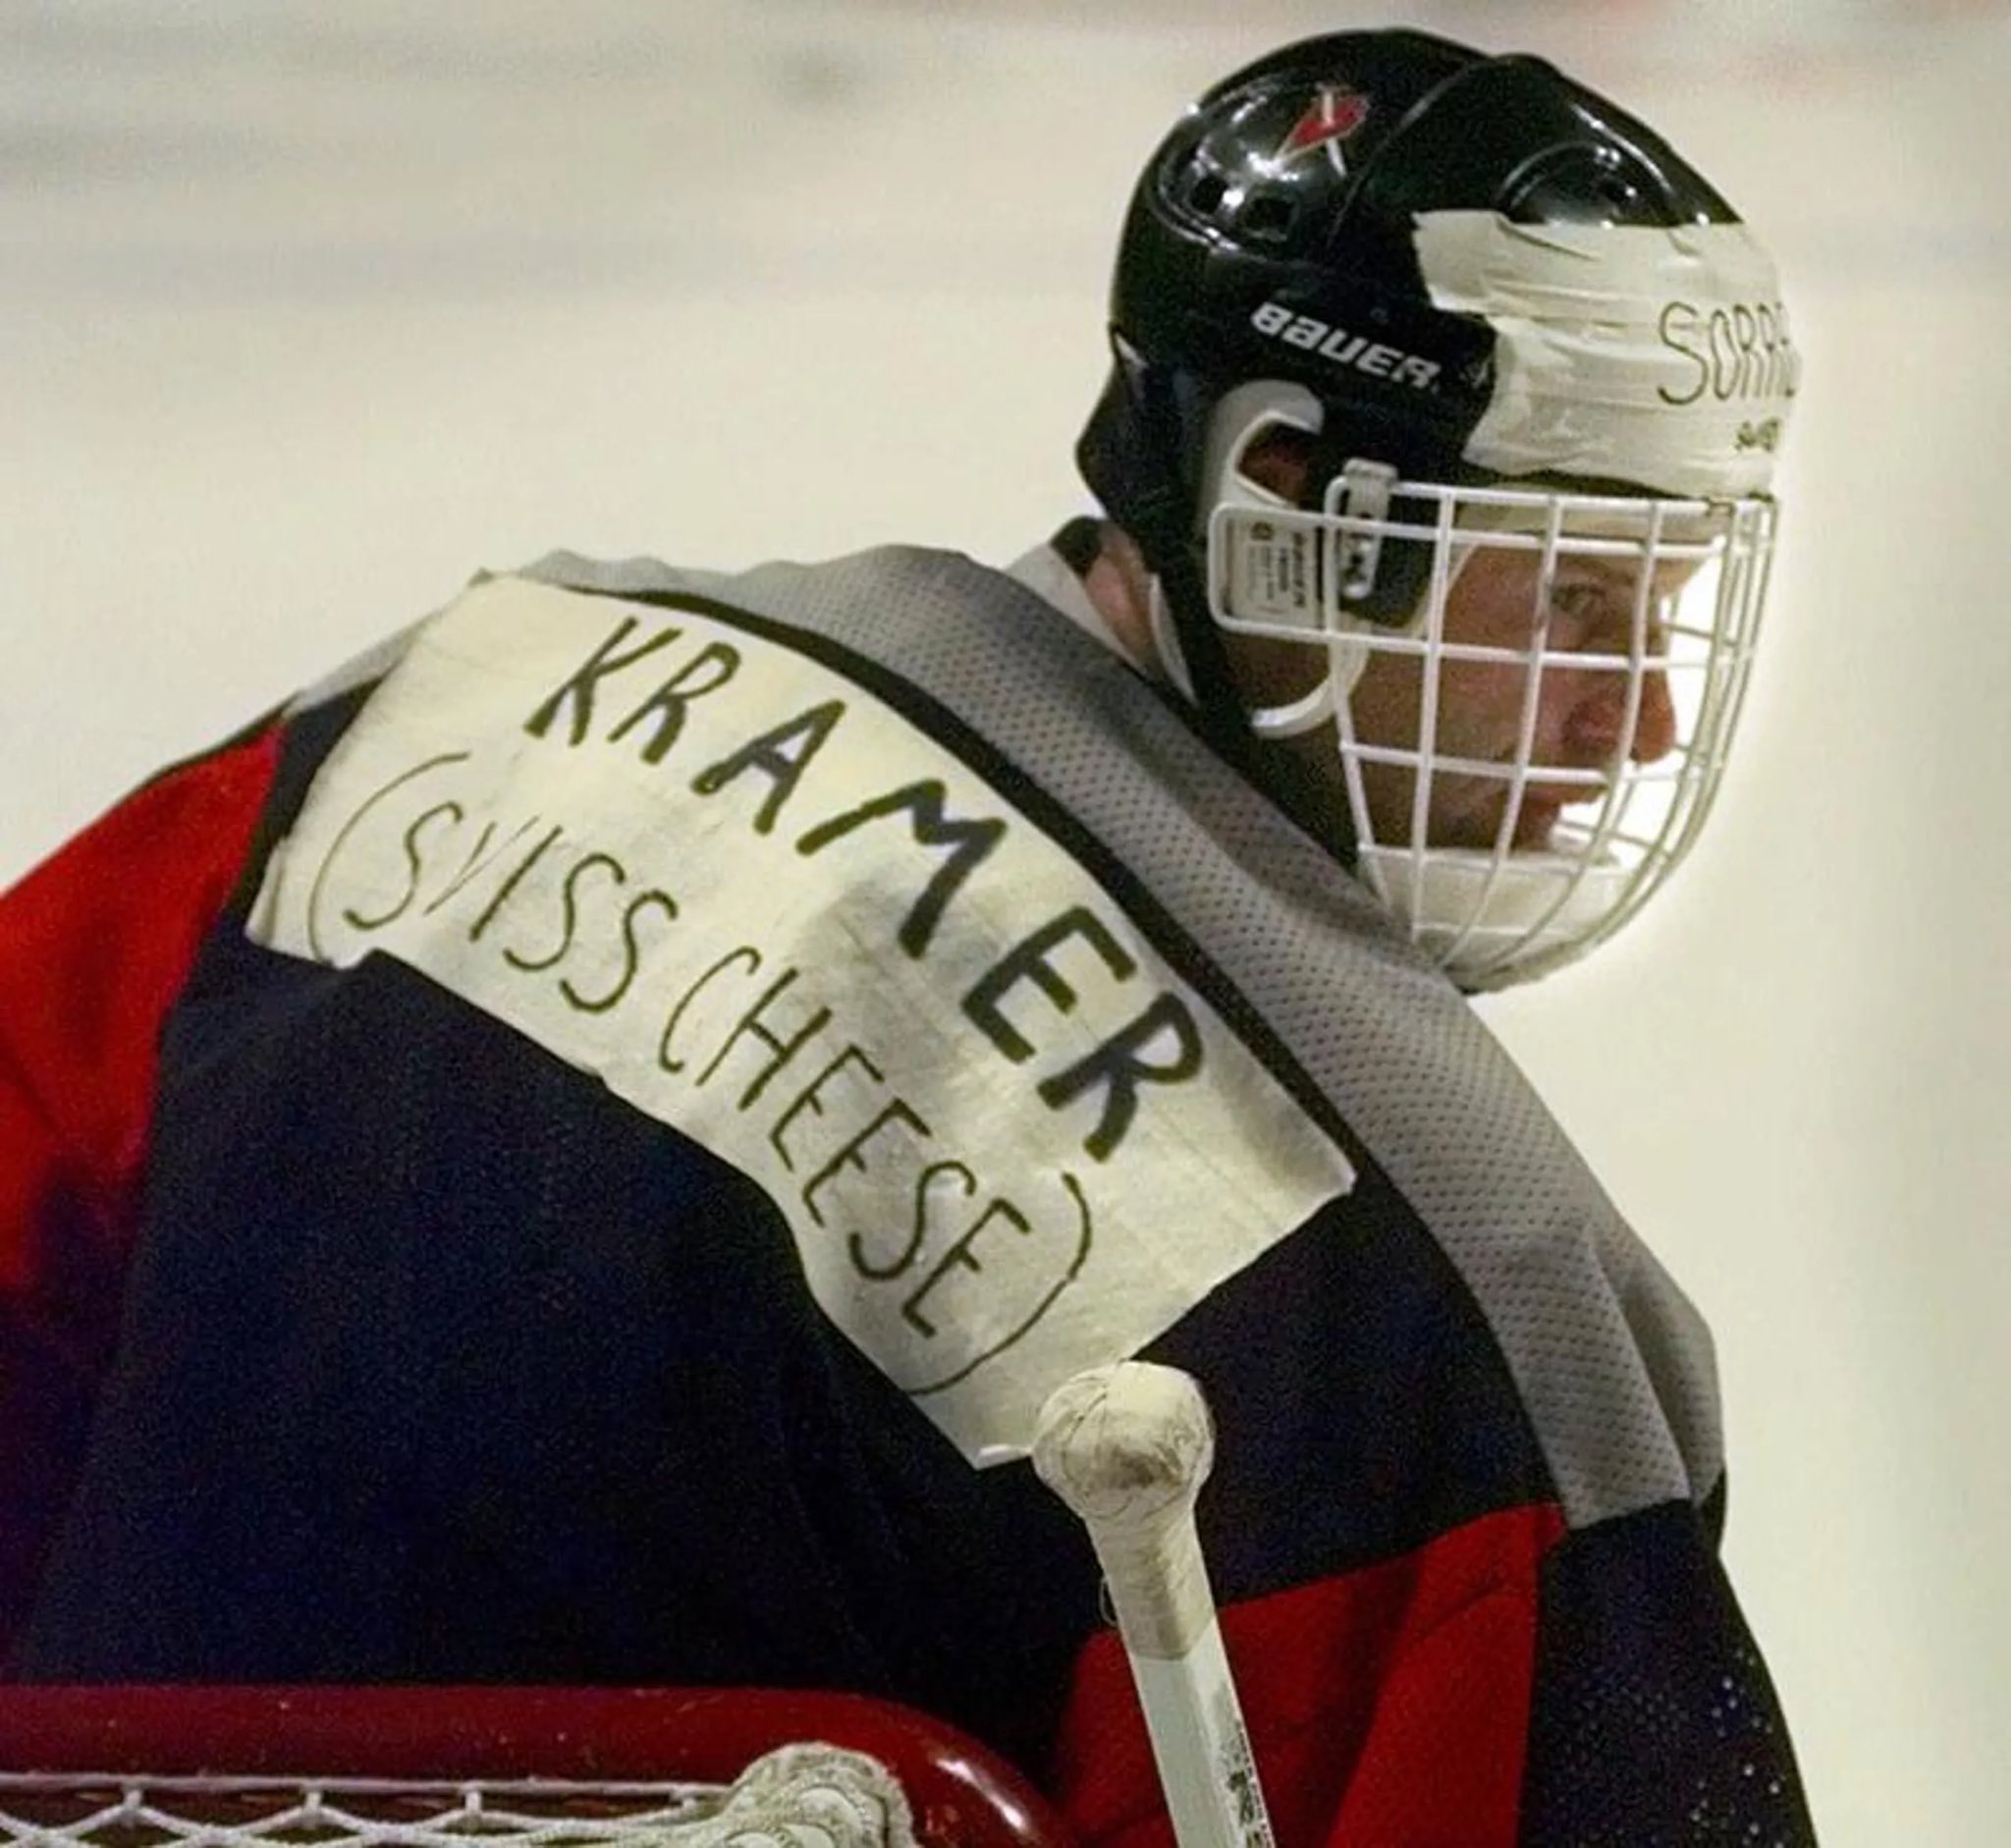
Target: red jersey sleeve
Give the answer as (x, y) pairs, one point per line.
(1386, 1704)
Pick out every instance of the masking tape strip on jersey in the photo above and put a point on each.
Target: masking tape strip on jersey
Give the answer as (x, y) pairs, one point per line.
(1623, 353)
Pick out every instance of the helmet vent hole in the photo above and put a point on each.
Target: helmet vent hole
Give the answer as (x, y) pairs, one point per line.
(1205, 190)
(1269, 217)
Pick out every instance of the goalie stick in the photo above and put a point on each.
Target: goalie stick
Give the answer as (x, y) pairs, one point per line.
(1128, 1447)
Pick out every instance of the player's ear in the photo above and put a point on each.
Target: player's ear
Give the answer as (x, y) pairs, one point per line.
(1279, 457)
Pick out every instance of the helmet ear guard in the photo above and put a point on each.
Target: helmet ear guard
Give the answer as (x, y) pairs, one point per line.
(1147, 419)
(1372, 545)
(1256, 570)
(1256, 564)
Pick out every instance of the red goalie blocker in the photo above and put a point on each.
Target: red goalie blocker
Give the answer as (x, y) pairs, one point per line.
(598, 1751)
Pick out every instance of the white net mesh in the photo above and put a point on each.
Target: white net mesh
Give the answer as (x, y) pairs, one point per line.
(74, 1811)
(796, 1796)
(136, 1766)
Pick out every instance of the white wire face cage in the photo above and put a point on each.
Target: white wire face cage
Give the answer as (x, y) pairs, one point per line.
(1529, 755)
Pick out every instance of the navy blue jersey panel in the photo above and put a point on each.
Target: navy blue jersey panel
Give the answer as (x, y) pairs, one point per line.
(451, 1366)
(1362, 1408)
(1652, 1700)
(53, 1355)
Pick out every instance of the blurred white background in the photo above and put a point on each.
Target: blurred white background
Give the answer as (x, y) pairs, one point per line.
(307, 313)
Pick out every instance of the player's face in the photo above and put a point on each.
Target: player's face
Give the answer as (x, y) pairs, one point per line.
(1580, 714)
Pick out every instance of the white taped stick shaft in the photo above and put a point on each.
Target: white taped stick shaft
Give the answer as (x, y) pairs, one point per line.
(1128, 1447)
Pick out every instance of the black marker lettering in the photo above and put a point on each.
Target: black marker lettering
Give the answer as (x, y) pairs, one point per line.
(515, 878)
(480, 858)
(746, 954)
(1078, 1256)
(848, 1155)
(569, 900)
(783, 755)
(579, 690)
(961, 1254)
(671, 701)
(1120, 1066)
(925, 1181)
(808, 1097)
(632, 954)
(320, 894)
(752, 1025)
(968, 841)
(1028, 962)
(414, 869)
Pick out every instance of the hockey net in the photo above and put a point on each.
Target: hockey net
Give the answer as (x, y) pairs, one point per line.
(491, 1768)
(137, 1812)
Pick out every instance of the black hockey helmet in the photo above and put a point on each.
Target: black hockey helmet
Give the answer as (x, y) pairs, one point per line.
(1270, 236)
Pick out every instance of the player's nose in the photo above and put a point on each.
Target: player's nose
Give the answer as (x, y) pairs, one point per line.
(1596, 731)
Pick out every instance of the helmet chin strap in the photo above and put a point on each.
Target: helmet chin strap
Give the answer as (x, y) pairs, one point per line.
(1308, 713)
(1314, 709)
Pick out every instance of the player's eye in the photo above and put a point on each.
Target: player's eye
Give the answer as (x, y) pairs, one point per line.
(1577, 608)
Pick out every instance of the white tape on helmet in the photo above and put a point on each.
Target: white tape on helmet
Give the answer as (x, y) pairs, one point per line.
(1623, 353)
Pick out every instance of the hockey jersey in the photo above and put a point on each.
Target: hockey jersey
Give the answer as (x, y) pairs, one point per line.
(604, 1122)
